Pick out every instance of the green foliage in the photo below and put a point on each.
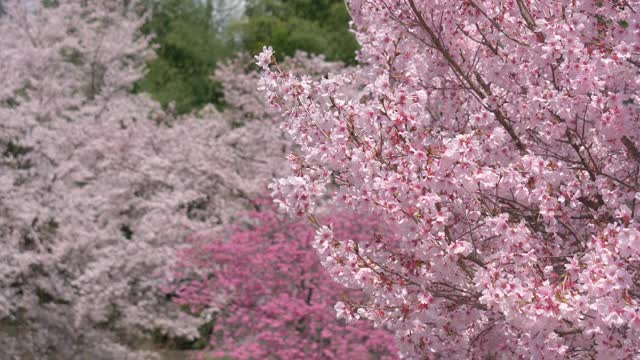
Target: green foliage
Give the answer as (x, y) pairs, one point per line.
(49, 3)
(161, 338)
(189, 42)
(15, 326)
(126, 231)
(188, 48)
(315, 26)
(196, 207)
(16, 150)
(72, 55)
(45, 297)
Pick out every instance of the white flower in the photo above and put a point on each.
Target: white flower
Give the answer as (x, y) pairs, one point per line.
(461, 247)
(264, 58)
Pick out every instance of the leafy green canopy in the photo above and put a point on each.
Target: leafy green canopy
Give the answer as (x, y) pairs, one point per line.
(190, 41)
(315, 26)
(188, 48)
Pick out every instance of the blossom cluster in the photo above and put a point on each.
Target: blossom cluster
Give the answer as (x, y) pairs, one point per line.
(268, 294)
(501, 140)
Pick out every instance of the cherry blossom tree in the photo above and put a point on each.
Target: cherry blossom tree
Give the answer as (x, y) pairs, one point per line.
(98, 186)
(268, 294)
(240, 81)
(501, 140)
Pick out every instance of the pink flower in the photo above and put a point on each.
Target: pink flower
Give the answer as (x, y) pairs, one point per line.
(264, 58)
(499, 131)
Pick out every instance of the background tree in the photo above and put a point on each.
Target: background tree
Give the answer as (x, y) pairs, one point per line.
(192, 37)
(189, 44)
(98, 186)
(284, 310)
(318, 27)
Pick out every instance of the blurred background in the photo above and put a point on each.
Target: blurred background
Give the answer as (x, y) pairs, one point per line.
(192, 36)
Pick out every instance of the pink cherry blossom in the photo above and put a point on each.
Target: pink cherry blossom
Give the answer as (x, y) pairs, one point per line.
(268, 294)
(501, 140)
(264, 58)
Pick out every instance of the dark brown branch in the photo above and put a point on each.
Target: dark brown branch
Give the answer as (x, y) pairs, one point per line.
(531, 23)
(563, 333)
(631, 148)
(481, 89)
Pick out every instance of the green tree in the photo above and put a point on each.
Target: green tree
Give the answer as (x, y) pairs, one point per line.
(188, 47)
(315, 26)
